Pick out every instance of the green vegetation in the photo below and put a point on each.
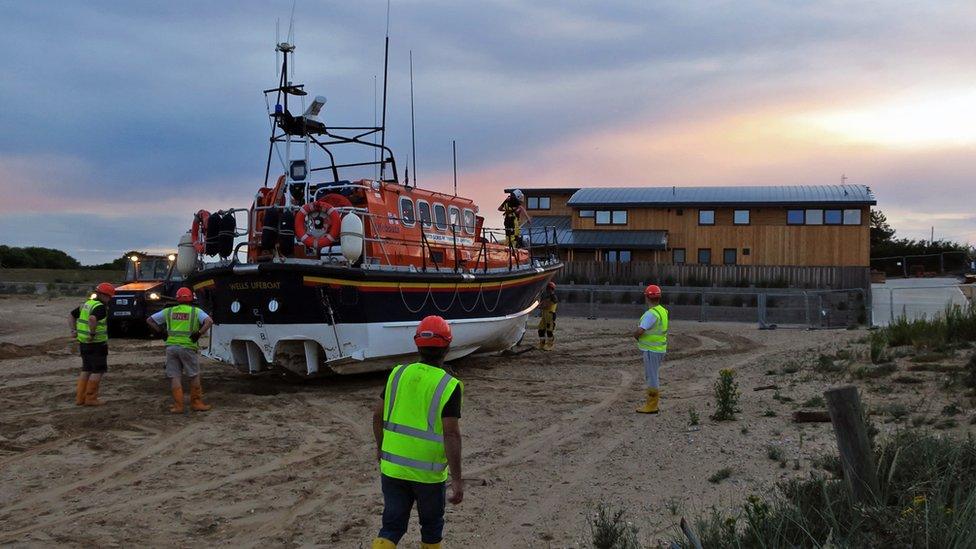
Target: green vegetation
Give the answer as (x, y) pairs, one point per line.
(36, 258)
(609, 530)
(693, 417)
(774, 453)
(814, 402)
(726, 396)
(956, 326)
(928, 499)
(720, 475)
(884, 244)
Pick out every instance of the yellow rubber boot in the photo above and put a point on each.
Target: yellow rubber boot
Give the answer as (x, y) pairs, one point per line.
(177, 407)
(551, 343)
(383, 543)
(81, 391)
(542, 344)
(91, 393)
(196, 399)
(651, 405)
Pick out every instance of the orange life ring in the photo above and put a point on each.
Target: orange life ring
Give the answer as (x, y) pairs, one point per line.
(199, 230)
(330, 232)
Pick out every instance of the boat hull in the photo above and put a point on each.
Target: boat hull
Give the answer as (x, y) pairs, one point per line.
(323, 319)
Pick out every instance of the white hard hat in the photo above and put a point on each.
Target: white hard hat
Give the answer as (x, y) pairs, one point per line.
(518, 194)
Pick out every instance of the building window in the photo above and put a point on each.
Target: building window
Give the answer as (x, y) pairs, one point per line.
(794, 217)
(740, 217)
(440, 217)
(680, 211)
(704, 256)
(706, 217)
(423, 210)
(728, 256)
(586, 213)
(617, 256)
(833, 217)
(406, 211)
(543, 202)
(852, 217)
(538, 203)
(746, 251)
(611, 217)
(678, 256)
(815, 217)
(468, 219)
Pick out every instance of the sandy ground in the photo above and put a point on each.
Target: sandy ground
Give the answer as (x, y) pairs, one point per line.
(546, 437)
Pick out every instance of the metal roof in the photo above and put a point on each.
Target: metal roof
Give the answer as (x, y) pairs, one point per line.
(716, 196)
(536, 191)
(566, 237)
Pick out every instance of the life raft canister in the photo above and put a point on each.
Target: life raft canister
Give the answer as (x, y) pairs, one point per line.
(198, 231)
(286, 232)
(331, 220)
(212, 246)
(269, 232)
(225, 238)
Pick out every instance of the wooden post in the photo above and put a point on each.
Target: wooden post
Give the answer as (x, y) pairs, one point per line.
(856, 457)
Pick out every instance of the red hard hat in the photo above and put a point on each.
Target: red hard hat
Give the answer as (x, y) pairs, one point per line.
(106, 288)
(652, 291)
(433, 331)
(184, 295)
(551, 285)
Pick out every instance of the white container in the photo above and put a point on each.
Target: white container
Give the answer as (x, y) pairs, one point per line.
(186, 256)
(351, 237)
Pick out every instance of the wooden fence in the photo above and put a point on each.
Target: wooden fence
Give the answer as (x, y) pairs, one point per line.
(645, 272)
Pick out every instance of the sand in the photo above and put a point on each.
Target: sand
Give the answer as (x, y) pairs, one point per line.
(546, 437)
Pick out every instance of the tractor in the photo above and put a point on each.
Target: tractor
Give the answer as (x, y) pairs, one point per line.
(150, 285)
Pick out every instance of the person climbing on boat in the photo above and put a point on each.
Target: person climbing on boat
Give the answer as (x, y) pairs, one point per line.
(515, 216)
(547, 322)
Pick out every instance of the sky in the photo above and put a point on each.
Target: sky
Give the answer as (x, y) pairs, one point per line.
(120, 119)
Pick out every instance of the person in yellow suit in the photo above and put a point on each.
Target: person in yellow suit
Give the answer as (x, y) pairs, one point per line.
(547, 322)
(418, 440)
(652, 341)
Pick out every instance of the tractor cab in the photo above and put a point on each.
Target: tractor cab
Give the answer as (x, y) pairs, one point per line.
(150, 285)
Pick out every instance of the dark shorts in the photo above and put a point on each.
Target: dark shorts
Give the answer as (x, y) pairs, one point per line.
(94, 358)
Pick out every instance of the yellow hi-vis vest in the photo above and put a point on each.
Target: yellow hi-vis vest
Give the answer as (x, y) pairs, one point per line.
(81, 325)
(413, 434)
(655, 339)
(181, 322)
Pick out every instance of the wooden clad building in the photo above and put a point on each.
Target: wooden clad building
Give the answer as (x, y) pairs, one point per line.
(825, 225)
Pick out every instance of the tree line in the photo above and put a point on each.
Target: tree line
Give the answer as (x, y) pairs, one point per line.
(899, 255)
(35, 257)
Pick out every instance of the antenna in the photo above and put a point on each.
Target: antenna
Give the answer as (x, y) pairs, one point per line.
(375, 150)
(413, 130)
(454, 150)
(291, 36)
(843, 179)
(386, 65)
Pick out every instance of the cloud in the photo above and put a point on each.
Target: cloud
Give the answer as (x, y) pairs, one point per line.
(116, 107)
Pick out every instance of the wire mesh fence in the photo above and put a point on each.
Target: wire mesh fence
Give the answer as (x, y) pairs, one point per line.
(813, 309)
(914, 302)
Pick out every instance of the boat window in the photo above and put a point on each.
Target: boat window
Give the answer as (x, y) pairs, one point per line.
(440, 217)
(423, 211)
(454, 214)
(468, 221)
(406, 211)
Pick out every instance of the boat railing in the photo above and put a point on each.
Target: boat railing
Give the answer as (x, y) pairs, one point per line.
(534, 240)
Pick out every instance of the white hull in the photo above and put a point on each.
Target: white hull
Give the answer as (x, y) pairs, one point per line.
(311, 349)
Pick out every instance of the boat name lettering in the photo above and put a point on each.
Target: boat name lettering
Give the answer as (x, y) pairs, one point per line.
(256, 285)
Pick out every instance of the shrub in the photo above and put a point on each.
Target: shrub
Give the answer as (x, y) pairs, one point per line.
(609, 530)
(878, 341)
(814, 402)
(693, 417)
(927, 499)
(720, 475)
(774, 453)
(726, 396)
(969, 374)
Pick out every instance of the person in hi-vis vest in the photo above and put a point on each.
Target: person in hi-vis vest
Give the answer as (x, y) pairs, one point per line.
(418, 440)
(182, 326)
(652, 340)
(89, 325)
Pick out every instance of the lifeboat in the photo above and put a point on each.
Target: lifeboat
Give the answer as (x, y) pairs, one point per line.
(334, 264)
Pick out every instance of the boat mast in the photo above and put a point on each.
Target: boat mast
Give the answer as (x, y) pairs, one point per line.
(386, 65)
